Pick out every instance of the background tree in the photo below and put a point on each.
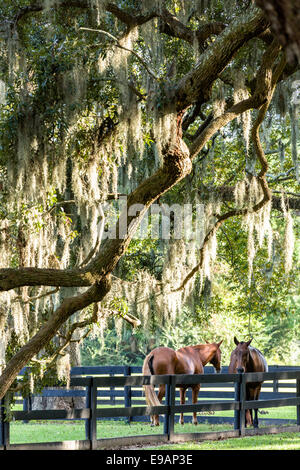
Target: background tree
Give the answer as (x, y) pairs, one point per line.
(284, 17)
(182, 102)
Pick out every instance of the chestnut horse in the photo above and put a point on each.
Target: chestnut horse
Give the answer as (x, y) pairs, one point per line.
(187, 360)
(248, 359)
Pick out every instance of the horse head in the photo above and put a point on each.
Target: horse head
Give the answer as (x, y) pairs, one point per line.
(216, 358)
(240, 356)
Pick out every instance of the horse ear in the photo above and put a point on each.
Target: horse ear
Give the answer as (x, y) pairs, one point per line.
(206, 341)
(235, 340)
(248, 342)
(219, 344)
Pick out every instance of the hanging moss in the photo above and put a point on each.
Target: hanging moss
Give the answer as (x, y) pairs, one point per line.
(241, 93)
(295, 137)
(289, 243)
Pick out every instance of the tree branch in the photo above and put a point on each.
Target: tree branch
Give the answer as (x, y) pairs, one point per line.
(68, 307)
(193, 86)
(11, 278)
(265, 85)
(171, 26)
(117, 44)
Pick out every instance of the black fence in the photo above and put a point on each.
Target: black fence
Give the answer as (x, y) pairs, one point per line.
(112, 386)
(134, 396)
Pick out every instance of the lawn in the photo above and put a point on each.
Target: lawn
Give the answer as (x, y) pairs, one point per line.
(55, 431)
(284, 441)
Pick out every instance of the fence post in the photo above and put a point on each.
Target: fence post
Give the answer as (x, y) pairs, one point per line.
(91, 423)
(170, 402)
(242, 402)
(237, 397)
(127, 392)
(112, 389)
(275, 385)
(88, 405)
(4, 426)
(27, 406)
(298, 396)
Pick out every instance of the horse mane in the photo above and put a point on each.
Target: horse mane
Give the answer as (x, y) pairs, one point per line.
(262, 357)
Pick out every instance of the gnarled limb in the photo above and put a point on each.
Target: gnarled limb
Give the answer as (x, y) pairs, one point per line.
(199, 80)
(68, 307)
(11, 278)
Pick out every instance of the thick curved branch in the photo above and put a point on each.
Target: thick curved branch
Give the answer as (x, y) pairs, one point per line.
(216, 124)
(68, 307)
(265, 83)
(199, 80)
(177, 164)
(171, 26)
(11, 278)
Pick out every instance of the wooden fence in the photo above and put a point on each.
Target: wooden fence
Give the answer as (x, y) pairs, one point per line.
(91, 413)
(129, 396)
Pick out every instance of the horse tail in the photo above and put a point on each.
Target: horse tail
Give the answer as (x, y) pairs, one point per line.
(150, 395)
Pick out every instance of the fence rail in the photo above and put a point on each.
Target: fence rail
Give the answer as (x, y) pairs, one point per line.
(91, 413)
(118, 397)
(131, 395)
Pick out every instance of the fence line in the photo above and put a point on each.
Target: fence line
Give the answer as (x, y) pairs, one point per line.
(129, 396)
(90, 413)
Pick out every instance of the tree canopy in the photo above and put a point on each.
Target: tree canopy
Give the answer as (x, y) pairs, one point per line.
(148, 152)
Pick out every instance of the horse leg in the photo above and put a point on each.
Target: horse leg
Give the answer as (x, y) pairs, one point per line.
(248, 414)
(248, 418)
(160, 395)
(257, 392)
(182, 402)
(255, 421)
(253, 395)
(195, 391)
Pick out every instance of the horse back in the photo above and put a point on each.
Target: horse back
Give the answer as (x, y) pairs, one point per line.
(188, 361)
(162, 361)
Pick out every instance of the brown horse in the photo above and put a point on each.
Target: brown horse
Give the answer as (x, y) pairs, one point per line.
(187, 360)
(248, 359)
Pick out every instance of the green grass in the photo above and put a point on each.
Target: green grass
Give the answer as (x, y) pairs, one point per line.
(284, 412)
(41, 431)
(284, 441)
(55, 431)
